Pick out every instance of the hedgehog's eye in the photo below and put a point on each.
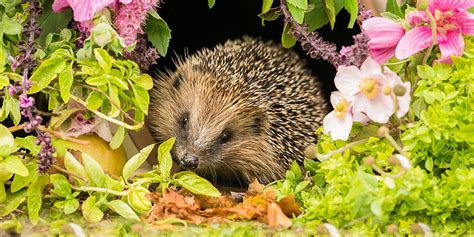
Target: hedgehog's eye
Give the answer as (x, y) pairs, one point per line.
(184, 121)
(225, 137)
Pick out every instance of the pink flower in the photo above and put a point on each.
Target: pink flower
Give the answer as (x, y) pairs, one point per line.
(84, 10)
(338, 123)
(365, 87)
(452, 21)
(384, 36)
(130, 18)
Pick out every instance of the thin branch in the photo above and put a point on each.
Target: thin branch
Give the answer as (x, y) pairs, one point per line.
(17, 128)
(323, 157)
(62, 136)
(102, 190)
(68, 173)
(433, 37)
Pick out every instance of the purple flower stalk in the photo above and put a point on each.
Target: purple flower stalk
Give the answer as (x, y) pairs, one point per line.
(25, 62)
(130, 18)
(143, 54)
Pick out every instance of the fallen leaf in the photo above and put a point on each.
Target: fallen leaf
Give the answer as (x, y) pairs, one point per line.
(276, 217)
(289, 206)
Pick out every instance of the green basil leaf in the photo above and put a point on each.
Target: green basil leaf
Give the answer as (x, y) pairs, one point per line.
(211, 3)
(61, 186)
(14, 107)
(352, 7)
(94, 171)
(301, 186)
(287, 39)
(393, 7)
(317, 17)
(46, 72)
(296, 13)
(6, 141)
(104, 59)
(74, 166)
(13, 200)
(90, 211)
(70, 206)
(330, 12)
(62, 116)
(158, 32)
(15, 165)
(3, 194)
(20, 182)
(99, 80)
(66, 79)
(118, 137)
(144, 80)
(123, 209)
(10, 26)
(165, 161)
(195, 184)
(94, 100)
(141, 98)
(136, 161)
(53, 22)
(114, 101)
(266, 5)
(35, 197)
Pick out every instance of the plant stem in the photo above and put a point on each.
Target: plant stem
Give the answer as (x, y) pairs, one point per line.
(323, 157)
(16, 128)
(433, 37)
(68, 173)
(112, 120)
(62, 136)
(102, 190)
(394, 144)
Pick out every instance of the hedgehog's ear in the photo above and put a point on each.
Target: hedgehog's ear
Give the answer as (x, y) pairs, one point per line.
(259, 121)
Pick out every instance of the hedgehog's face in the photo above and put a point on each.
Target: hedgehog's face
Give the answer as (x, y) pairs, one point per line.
(218, 135)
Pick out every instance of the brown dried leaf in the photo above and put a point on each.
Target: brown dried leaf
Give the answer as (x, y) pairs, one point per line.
(289, 206)
(276, 218)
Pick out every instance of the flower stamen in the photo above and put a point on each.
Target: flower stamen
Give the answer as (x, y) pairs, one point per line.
(369, 87)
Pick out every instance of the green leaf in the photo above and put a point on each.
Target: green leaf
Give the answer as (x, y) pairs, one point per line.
(317, 17)
(429, 164)
(35, 197)
(287, 39)
(66, 79)
(3, 194)
(52, 22)
(70, 206)
(136, 161)
(14, 165)
(114, 101)
(266, 5)
(74, 166)
(104, 59)
(14, 106)
(330, 12)
(10, 26)
(46, 72)
(61, 186)
(99, 80)
(295, 168)
(296, 13)
(301, 186)
(195, 184)
(62, 116)
(20, 182)
(94, 100)
(13, 200)
(94, 171)
(301, 4)
(6, 141)
(376, 208)
(90, 211)
(144, 80)
(465, 133)
(123, 209)
(353, 8)
(158, 32)
(271, 15)
(165, 161)
(141, 98)
(393, 7)
(211, 3)
(118, 137)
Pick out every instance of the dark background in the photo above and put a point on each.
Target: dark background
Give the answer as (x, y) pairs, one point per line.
(194, 26)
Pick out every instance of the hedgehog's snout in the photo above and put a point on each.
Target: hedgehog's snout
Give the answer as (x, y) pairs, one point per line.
(189, 161)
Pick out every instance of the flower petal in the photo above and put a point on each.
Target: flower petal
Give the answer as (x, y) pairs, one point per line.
(347, 80)
(370, 68)
(338, 129)
(381, 56)
(85, 9)
(378, 109)
(413, 41)
(452, 44)
(376, 27)
(58, 5)
(336, 96)
(361, 118)
(465, 21)
(451, 4)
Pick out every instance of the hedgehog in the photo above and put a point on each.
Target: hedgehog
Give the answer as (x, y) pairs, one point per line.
(245, 109)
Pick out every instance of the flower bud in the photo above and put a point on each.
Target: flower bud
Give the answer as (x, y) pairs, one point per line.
(386, 90)
(102, 34)
(421, 5)
(383, 130)
(392, 229)
(310, 152)
(393, 161)
(138, 200)
(399, 90)
(369, 160)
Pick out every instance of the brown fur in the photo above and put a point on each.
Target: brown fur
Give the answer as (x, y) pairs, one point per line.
(258, 92)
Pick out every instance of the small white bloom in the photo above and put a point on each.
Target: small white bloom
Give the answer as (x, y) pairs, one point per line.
(332, 230)
(404, 162)
(389, 182)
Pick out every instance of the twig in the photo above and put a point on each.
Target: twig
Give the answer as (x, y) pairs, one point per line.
(323, 157)
(110, 99)
(17, 128)
(102, 190)
(112, 120)
(62, 136)
(433, 37)
(68, 173)
(394, 144)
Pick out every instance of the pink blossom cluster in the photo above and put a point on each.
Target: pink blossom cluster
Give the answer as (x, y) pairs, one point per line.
(403, 39)
(365, 94)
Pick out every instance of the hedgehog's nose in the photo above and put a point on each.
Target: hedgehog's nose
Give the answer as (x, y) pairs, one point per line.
(189, 161)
